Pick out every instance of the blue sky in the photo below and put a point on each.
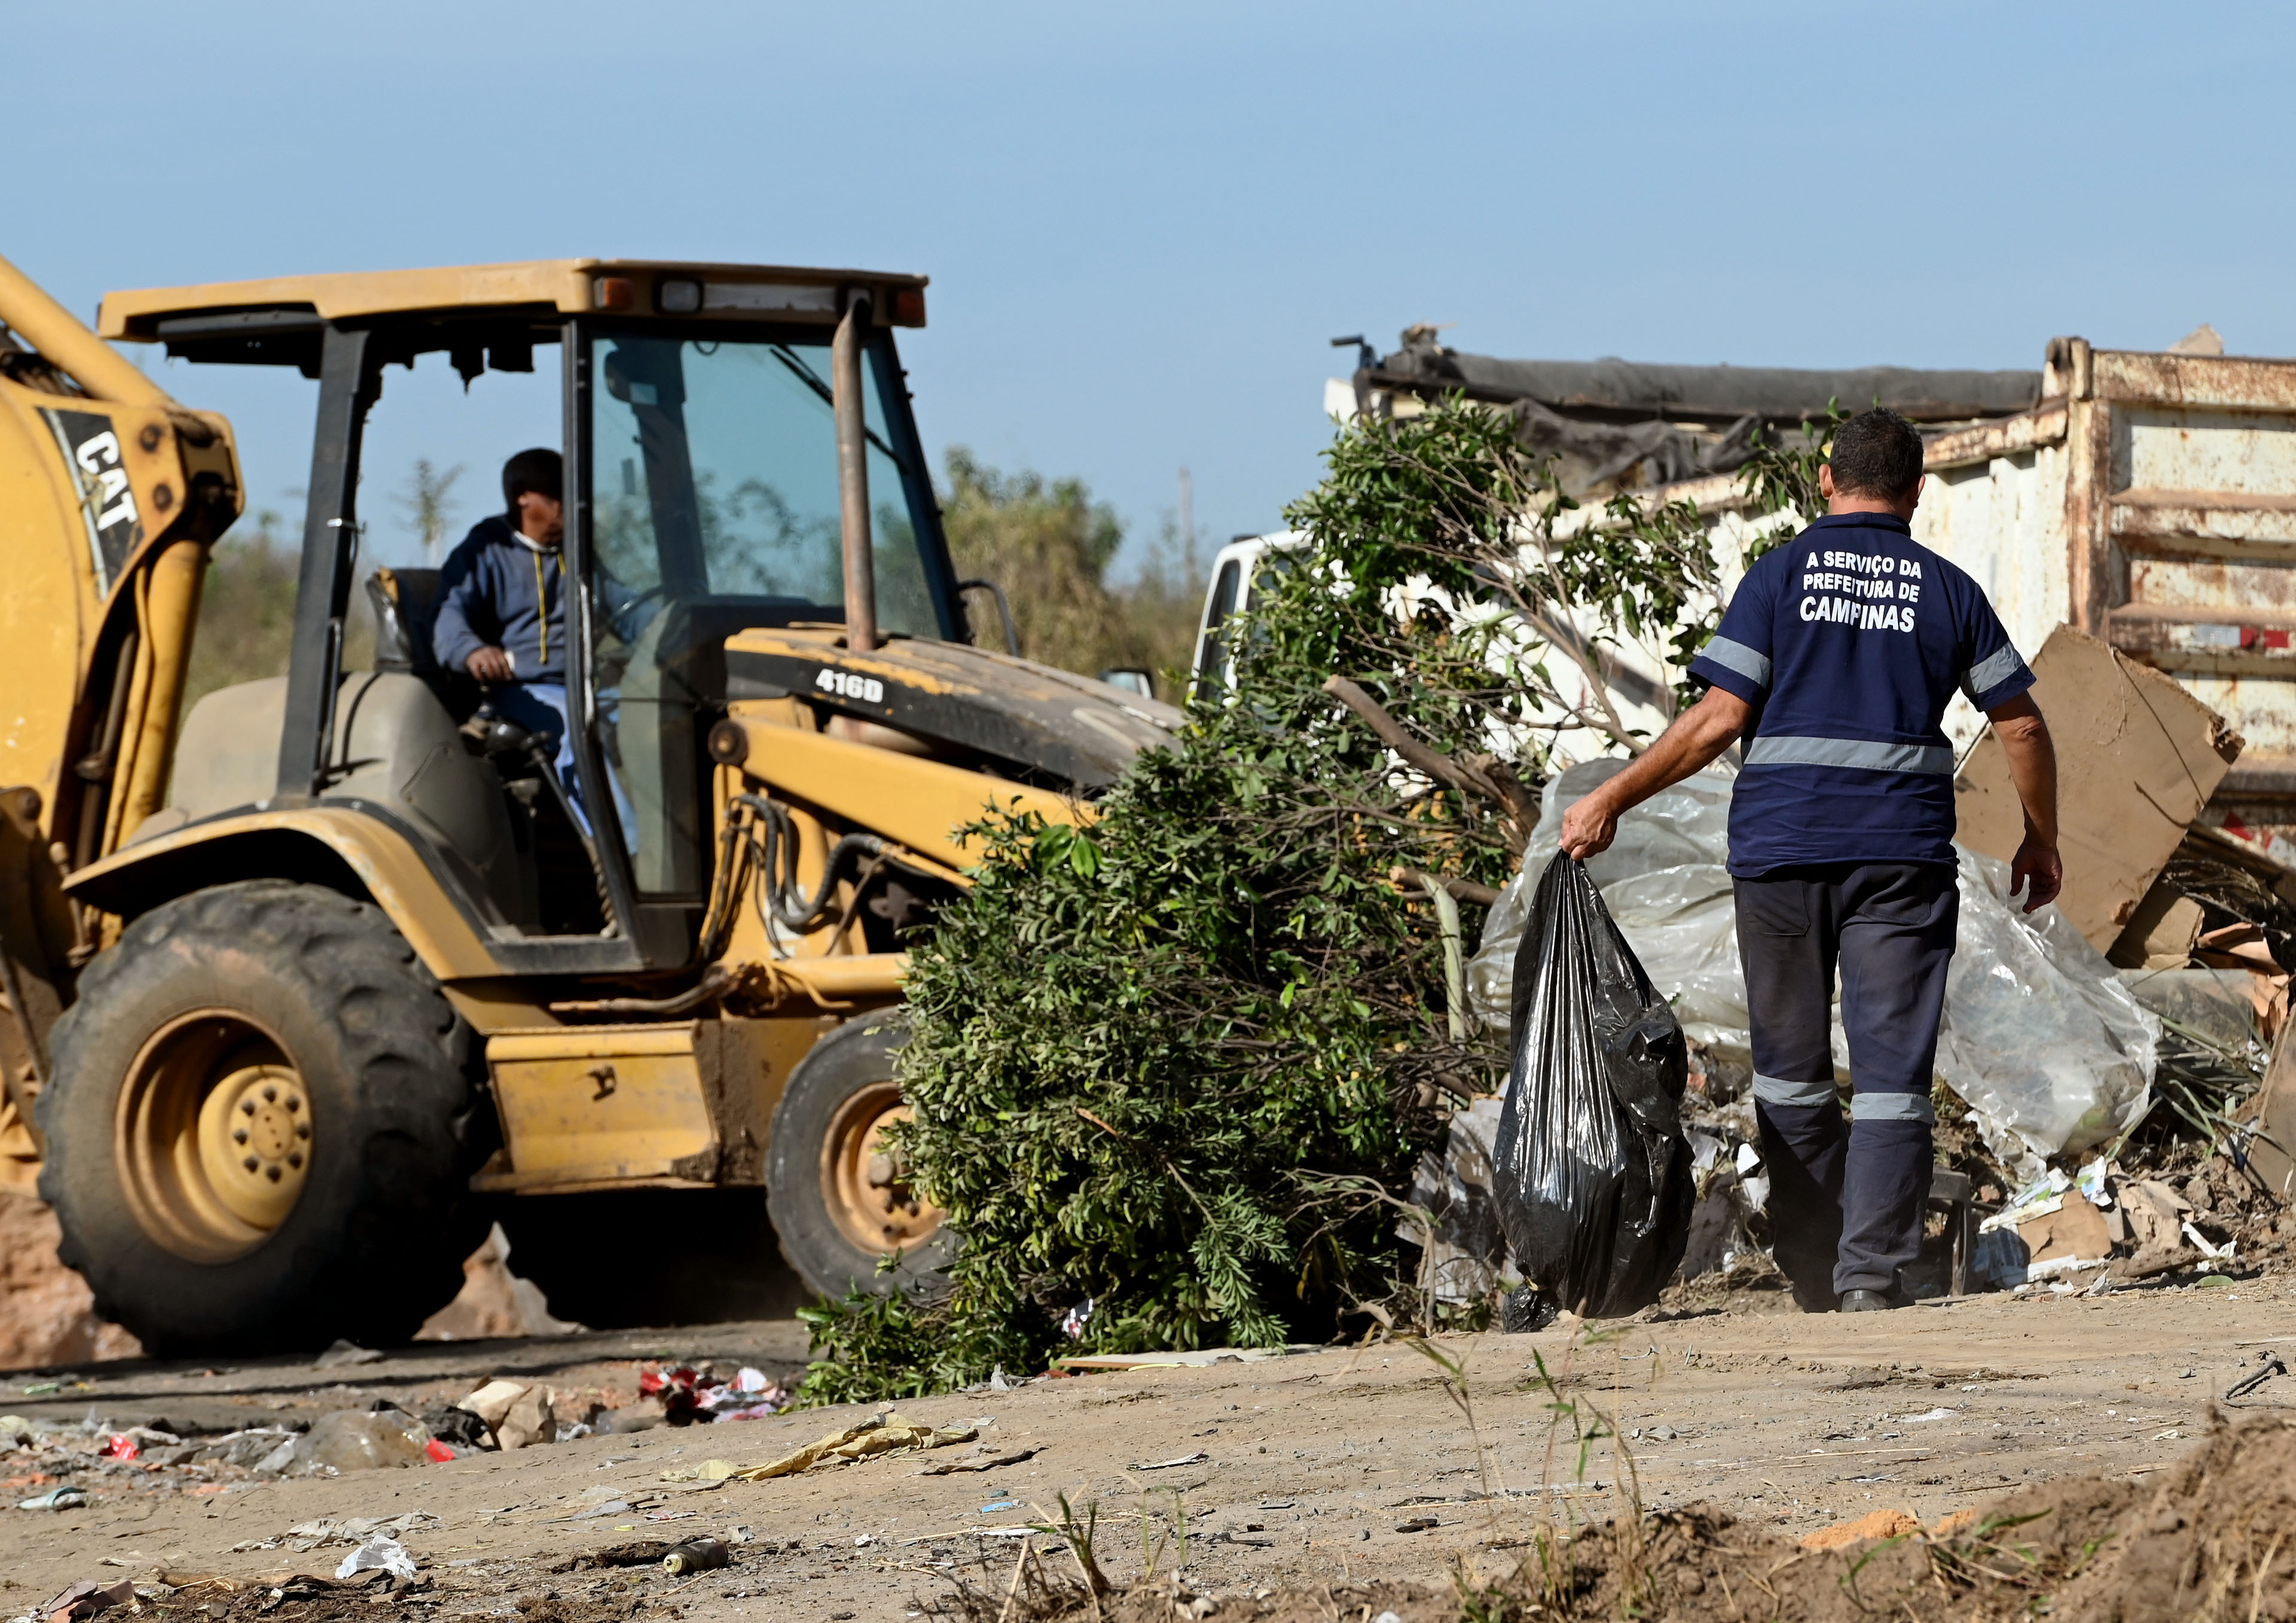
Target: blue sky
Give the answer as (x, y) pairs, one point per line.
(1144, 223)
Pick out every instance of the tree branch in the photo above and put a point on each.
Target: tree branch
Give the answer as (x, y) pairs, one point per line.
(1514, 801)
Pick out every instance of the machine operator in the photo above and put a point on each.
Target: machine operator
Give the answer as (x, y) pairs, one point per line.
(1834, 662)
(502, 608)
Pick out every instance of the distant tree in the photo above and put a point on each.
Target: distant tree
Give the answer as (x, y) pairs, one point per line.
(1049, 545)
(427, 502)
(246, 609)
(246, 626)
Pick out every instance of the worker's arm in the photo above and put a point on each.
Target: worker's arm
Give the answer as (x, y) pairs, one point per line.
(456, 641)
(2024, 737)
(1697, 736)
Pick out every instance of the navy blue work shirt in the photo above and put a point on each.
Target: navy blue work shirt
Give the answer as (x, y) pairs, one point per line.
(1849, 642)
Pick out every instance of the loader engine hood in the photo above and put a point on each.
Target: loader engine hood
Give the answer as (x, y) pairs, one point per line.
(1037, 723)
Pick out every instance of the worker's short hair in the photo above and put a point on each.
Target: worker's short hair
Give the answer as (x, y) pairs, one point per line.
(540, 470)
(1877, 453)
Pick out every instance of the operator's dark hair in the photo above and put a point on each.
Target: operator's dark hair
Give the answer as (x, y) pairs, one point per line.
(1877, 452)
(540, 470)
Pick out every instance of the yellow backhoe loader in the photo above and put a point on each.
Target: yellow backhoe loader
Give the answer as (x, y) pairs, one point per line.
(302, 985)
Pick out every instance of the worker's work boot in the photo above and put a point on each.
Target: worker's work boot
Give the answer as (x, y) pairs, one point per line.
(1868, 1301)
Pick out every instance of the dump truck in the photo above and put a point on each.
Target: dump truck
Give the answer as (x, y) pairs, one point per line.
(2122, 508)
(303, 985)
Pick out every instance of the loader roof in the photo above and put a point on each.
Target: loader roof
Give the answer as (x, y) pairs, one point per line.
(184, 317)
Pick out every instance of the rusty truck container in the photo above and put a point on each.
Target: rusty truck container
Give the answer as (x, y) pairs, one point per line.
(2148, 499)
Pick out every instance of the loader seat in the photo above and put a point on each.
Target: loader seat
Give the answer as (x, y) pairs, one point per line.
(405, 604)
(396, 750)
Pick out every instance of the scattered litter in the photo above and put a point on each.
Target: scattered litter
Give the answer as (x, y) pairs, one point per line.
(55, 1499)
(2201, 1244)
(708, 1470)
(1279, 1504)
(516, 1414)
(380, 1554)
(350, 1440)
(87, 1598)
(2044, 1195)
(2268, 1365)
(457, 1427)
(639, 1553)
(1418, 1524)
(121, 1447)
(1197, 1359)
(697, 1555)
(612, 1507)
(987, 1458)
(888, 1434)
(1073, 1322)
(671, 1515)
(690, 1395)
(1461, 1256)
(1915, 1420)
(1001, 1505)
(351, 1529)
(345, 1353)
(1197, 1458)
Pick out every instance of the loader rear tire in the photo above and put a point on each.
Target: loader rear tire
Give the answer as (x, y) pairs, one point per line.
(261, 1127)
(840, 1203)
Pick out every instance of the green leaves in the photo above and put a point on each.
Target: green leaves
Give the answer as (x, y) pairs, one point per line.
(1163, 1066)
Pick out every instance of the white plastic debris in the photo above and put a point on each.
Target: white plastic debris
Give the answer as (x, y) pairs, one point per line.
(382, 1552)
(2038, 1199)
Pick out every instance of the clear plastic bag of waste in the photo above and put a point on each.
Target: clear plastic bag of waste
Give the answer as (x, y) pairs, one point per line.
(1594, 1177)
(1664, 883)
(2042, 1040)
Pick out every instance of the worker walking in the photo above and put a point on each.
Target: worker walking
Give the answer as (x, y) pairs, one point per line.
(1834, 662)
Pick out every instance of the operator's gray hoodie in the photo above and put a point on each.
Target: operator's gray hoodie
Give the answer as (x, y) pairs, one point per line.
(500, 590)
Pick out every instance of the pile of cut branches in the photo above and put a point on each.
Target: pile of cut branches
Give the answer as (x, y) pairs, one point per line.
(1167, 1069)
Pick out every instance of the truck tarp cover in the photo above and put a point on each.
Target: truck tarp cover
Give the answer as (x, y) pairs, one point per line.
(1594, 1175)
(1725, 392)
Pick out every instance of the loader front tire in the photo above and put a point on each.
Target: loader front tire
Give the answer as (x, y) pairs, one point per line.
(840, 1199)
(261, 1125)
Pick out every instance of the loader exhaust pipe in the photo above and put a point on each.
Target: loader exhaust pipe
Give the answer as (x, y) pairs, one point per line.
(65, 341)
(845, 358)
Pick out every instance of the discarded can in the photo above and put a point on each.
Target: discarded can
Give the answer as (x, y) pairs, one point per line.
(697, 1555)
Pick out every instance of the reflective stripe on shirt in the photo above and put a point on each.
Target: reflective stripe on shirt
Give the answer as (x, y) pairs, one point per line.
(1988, 673)
(1864, 753)
(1736, 656)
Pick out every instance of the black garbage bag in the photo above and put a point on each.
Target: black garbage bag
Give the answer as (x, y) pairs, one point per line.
(1594, 1186)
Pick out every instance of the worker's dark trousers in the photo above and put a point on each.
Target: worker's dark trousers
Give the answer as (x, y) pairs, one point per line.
(1846, 1199)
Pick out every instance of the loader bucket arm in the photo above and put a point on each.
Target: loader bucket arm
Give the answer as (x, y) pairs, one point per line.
(114, 494)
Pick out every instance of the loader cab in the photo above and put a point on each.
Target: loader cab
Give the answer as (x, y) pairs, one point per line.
(703, 498)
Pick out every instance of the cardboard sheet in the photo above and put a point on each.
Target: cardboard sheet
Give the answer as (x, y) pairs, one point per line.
(2137, 758)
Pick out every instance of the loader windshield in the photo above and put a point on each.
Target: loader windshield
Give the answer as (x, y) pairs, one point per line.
(716, 476)
(714, 506)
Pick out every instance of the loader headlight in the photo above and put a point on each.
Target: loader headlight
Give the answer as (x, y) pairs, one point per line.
(676, 296)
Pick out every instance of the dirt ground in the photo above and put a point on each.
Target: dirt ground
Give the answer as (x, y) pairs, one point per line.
(1341, 1468)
